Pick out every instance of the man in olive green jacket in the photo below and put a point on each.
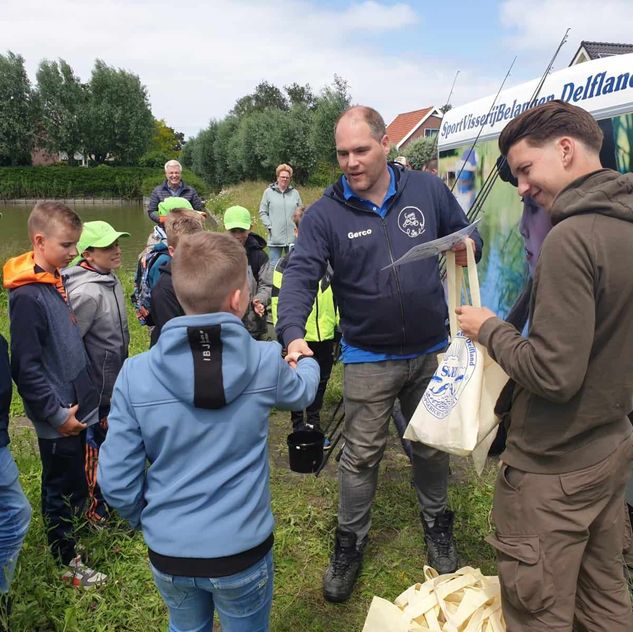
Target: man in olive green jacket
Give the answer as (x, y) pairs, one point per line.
(559, 499)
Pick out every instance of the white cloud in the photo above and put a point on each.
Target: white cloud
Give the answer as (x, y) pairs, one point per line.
(538, 26)
(196, 58)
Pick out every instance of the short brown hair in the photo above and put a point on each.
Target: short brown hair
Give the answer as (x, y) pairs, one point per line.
(283, 167)
(44, 214)
(181, 221)
(552, 120)
(206, 268)
(372, 117)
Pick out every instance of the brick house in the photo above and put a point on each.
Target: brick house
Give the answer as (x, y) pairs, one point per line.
(409, 126)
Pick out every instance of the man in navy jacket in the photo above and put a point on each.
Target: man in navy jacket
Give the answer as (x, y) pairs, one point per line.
(393, 323)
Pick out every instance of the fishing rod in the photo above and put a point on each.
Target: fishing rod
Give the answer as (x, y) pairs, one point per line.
(499, 165)
(481, 129)
(434, 150)
(476, 208)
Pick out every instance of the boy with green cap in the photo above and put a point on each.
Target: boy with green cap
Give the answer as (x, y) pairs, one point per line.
(238, 223)
(96, 297)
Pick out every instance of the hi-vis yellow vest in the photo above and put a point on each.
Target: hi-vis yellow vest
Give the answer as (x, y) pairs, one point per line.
(321, 323)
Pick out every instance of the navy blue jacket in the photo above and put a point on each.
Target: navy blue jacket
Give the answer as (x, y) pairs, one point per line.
(401, 310)
(162, 192)
(5, 392)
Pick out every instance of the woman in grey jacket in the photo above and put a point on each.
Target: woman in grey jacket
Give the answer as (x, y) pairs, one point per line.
(278, 204)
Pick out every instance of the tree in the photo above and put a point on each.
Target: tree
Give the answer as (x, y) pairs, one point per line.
(300, 95)
(118, 123)
(17, 115)
(61, 101)
(265, 96)
(420, 151)
(165, 139)
(202, 155)
(331, 102)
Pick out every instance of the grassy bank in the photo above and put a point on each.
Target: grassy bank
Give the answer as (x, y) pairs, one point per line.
(305, 512)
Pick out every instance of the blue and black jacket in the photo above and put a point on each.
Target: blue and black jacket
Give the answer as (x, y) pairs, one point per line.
(400, 310)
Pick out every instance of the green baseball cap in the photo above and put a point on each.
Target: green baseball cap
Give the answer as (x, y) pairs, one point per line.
(98, 235)
(169, 204)
(237, 217)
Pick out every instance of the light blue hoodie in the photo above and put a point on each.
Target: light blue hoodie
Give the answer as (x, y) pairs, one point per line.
(205, 493)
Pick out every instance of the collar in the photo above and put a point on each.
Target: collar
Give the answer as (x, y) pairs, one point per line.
(391, 191)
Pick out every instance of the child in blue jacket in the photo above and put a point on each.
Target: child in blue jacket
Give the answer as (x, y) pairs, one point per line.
(195, 407)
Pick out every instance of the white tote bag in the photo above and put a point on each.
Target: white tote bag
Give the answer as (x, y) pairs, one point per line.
(456, 412)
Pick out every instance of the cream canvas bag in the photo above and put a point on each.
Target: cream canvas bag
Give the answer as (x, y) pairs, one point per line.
(456, 412)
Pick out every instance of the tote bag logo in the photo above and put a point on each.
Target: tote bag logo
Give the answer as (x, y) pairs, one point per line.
(451, 377)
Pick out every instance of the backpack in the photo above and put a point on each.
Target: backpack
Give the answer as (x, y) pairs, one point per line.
(142, 294)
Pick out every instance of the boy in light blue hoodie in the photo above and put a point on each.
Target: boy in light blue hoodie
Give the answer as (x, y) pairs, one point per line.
(195, 407)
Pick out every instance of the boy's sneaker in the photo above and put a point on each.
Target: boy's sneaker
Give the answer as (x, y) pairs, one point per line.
(327, 444)
(441, 553)
(345, 564)
(81, 576)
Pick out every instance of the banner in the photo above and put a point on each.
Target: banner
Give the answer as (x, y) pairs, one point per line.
(603, 87)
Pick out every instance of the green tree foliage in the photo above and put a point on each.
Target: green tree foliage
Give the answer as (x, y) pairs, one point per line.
(61, 100)
(165, 139)
(118, 123)
(164, 145)
(420, 151)
(266, 128)
(17, 112)
(265, 96)
(300, 95)
(331, 102)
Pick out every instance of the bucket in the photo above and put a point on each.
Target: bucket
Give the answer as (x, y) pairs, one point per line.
(305, 450)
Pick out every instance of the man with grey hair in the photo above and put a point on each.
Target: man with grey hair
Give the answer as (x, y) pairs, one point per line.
(393, 322)
(173, 186)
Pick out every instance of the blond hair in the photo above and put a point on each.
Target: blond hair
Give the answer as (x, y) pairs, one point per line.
(283, 167)
(45, 214)
(181, 221)
(206, 269)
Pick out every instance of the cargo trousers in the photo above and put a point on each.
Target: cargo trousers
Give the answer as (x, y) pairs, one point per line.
(559, 540)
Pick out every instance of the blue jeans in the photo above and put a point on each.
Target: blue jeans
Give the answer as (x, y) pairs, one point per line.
(15, 516)
(275, 253)
(243, 600)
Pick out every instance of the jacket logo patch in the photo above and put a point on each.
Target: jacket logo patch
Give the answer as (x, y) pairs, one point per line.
(411, 221)
(360, 233)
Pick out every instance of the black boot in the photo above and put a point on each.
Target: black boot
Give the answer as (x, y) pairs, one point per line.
(441, 553)
(345, 564)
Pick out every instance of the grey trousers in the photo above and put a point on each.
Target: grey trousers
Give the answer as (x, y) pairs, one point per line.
(370, 390)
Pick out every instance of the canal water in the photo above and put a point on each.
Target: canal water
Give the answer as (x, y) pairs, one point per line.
(131, 218)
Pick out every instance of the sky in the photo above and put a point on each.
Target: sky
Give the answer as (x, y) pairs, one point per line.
(196, 58)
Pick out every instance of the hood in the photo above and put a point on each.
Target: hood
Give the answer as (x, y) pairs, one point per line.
(209, 359)
(605, 192)
(275, 187)
(78, 275)
(255, 242)
(20, 270)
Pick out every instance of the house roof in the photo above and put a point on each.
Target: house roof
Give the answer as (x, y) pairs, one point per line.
(406, 123)
(596, 50)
